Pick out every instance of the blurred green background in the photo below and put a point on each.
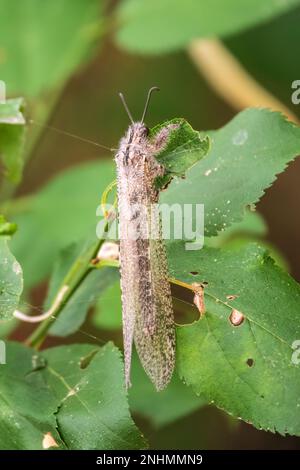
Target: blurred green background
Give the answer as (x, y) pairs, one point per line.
(64, 58)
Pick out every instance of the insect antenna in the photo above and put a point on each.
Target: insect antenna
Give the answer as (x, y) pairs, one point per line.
(69, 134)
(126, 107)
(154, 88)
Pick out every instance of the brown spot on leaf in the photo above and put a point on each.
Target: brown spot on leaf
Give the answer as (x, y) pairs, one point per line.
(49, 441)
(231, 297)
(199, 298)
(194, 273)
(250, 362)
(236, 318)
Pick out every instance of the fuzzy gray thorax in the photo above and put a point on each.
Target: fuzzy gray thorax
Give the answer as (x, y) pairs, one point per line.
(135, 144)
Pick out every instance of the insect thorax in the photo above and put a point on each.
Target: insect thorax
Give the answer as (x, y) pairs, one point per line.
(134, 146)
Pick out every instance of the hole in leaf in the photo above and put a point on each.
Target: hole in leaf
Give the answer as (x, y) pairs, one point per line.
(250, 362)
(194, 273)
(184, 311)
(231, 297)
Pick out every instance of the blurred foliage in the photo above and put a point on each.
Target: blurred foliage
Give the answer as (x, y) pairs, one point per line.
(51, 39)
(188, 20)
(108, 310)
(164, 407)
(12, 131)
(268, 52)
(6, 228)
(61, 213)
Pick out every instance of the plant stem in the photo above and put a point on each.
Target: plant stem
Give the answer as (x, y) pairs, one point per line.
(230, 79)
(176, 282)
(74, 278)
(76, 275)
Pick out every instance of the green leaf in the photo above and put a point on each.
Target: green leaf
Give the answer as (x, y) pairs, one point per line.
(89, 383)
(245, 157)
(251, 229)
(251, 226)
(12, 138)
(6, 228)
(74, 393)
(35, 55)
(11, 279)
(157, 27)
(63, 212)
(27, 405)
(11, 111)
(74, 311)
(247, 370)
(7, 327)
(108, 310)
(162, 408)
(184, 148)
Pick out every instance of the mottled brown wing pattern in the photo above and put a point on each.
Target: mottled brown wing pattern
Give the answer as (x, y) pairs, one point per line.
(146, 297)
(130, 300)
(154, 333)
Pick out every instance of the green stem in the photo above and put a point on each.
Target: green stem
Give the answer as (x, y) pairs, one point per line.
(74, 278)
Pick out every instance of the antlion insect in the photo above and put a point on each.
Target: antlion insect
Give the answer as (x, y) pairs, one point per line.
(146, 295)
